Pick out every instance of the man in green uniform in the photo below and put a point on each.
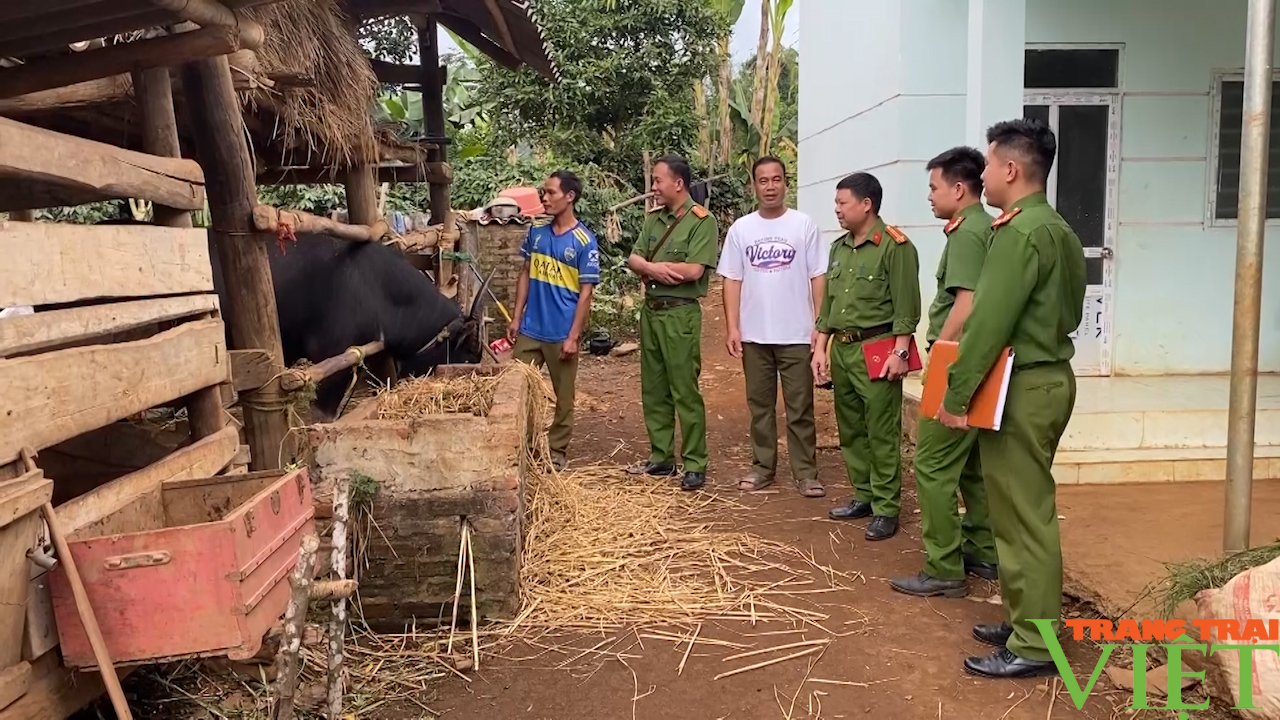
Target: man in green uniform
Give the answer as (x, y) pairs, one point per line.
(674, 257)
(947, 460)
(873, 292)
(1030, 297)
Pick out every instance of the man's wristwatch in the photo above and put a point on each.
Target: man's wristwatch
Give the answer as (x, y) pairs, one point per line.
(902, 354)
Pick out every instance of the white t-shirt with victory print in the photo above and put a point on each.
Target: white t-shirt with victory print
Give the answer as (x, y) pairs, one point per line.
(775, 260)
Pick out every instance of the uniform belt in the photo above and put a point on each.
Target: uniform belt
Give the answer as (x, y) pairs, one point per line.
(858, 335)
(667, 303)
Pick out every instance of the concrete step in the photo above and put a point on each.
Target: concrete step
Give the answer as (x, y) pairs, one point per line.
(1156, 465)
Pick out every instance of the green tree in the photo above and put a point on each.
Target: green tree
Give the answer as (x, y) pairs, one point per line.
(628, 70)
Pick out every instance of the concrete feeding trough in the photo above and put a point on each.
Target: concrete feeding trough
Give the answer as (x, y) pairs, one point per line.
(433, 471)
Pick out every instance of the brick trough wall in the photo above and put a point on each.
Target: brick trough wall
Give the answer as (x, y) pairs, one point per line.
(432, 472)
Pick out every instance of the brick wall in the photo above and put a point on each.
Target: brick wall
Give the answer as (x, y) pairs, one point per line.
(500, 248)
(431, 473)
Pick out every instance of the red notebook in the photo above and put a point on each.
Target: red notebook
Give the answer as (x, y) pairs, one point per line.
(878, 352)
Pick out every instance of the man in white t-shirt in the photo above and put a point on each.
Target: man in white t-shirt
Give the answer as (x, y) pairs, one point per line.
(774, 267)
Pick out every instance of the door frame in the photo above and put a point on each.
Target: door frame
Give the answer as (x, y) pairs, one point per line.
(1111, 99)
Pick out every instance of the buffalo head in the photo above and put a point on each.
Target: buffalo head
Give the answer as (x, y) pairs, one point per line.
(459, 342)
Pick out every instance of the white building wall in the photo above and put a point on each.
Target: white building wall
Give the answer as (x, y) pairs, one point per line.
(884, 103)
(1173, 271)
(894, 98)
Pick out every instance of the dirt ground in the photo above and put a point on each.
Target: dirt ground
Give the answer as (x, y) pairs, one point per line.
(908, 656)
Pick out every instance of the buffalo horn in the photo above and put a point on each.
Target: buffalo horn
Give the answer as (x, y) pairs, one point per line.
(476, 314)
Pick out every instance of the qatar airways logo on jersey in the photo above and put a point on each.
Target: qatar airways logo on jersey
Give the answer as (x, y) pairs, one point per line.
(771, 254)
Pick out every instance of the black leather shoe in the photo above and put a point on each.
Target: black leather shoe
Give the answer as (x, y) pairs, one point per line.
(693, 480)
(881, 528)
(984, 570)
(923, 585)
(648, 467)
(855, 510)
(995, 635)
(1004, 665)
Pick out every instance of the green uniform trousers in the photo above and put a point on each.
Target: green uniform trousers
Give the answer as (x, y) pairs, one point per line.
(869, 417)
(564, 375)
(947, 461)
(670, 364)
(763, 365)
(1023, 497)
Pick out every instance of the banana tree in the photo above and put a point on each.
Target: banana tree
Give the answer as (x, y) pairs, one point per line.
(762, 63)
(731, 10)
(777, 24)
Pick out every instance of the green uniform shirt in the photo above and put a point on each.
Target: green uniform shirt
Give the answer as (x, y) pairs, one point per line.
(694, 240)
(872, 282)
(968, 239)
(1030, 296)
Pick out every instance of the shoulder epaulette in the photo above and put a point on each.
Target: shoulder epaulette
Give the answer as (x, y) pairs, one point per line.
(897, 235)
(1005, 218)
(699, 211)
(955, 223)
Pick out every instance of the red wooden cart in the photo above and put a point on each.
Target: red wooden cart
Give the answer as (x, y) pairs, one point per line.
(196, 567)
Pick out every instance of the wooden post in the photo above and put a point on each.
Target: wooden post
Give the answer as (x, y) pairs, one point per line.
(362, 195)
(433, 116)
(216, 122)
(362, 209)
(154, 94)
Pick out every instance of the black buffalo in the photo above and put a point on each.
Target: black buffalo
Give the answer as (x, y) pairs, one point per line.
(332, 295)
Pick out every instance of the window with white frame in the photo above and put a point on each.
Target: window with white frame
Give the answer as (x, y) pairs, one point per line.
(1228, 95)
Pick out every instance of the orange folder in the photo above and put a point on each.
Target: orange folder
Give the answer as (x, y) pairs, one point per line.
(878, 352)
(987, 407)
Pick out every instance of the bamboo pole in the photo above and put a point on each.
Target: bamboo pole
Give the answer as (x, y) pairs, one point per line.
(295, 379)
(338, 624)
(272, 220)
(1247, 316)
(288, 660)
(208, 12)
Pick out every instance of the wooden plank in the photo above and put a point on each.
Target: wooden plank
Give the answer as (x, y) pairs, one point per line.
(16, 539)
(200, 459)
(48, 263)
(59, 395)
(60, 70)
(23, 496)
(41, 168)
(14, 683)
(25, 334)
(56, 691)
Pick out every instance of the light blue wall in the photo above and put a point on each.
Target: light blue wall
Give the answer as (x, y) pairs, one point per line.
(897, 98)
(1173, 272)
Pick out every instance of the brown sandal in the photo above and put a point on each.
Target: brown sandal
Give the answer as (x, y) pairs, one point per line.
(753, 483)
(810, 487)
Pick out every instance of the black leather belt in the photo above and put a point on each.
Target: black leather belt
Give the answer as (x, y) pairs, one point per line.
(858, 335)
(667, 303)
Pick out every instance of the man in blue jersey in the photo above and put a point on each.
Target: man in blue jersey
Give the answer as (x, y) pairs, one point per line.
(553, 299)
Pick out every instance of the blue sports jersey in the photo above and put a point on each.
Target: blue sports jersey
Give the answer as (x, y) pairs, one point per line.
(558, 267)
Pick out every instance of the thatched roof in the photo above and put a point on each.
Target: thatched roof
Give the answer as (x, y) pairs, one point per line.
(308, 88)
